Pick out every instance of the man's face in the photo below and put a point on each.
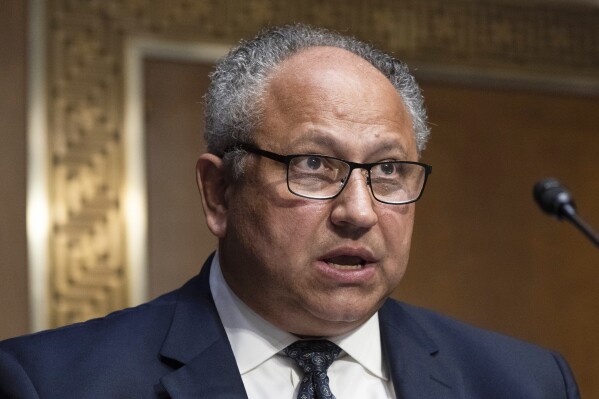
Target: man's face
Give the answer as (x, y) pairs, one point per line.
(320, 267)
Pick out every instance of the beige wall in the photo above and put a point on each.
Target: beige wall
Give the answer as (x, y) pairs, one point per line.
(13, 259)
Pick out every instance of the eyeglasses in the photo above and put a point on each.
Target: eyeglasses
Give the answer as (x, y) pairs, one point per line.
(323, 177)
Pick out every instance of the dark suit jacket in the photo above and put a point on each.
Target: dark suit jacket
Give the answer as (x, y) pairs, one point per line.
(176, 346)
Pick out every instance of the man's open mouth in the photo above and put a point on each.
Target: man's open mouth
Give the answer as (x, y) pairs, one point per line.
(345, 262)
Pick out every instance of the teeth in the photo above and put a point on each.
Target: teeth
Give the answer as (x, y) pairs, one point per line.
(346, 262)
(345, 267)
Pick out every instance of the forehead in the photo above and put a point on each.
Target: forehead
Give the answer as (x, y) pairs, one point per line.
(333, 97)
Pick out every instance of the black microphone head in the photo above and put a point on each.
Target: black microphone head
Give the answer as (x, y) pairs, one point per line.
(553, 198)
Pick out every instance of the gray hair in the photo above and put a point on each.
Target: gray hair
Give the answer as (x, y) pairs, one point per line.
(233, 103)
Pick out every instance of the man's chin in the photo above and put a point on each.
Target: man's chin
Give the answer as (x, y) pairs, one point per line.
(340, 320)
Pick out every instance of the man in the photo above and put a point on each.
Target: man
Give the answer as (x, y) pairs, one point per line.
(309, 184)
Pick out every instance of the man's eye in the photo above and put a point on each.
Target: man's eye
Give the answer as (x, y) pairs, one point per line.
(387, 168)
(313, 163)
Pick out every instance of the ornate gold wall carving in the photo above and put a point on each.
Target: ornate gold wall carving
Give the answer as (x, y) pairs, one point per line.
(85, 44)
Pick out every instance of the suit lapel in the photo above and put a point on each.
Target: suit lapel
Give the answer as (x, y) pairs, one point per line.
(208, 375)
(197, 342)
(416, 367)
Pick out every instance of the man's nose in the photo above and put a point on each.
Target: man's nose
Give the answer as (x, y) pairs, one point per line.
(355, 204)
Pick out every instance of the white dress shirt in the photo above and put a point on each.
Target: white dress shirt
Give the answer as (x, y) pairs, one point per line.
(360, 371)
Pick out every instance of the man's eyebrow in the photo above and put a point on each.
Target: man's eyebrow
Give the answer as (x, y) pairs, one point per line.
(394, 149)
(317, 138)
(383, 149)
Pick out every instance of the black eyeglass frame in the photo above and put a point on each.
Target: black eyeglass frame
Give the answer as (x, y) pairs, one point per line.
(286, 159)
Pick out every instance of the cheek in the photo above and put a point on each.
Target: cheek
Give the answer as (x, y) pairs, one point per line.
(397, 224)
(276, 226)
(396, 228)
(297, 228)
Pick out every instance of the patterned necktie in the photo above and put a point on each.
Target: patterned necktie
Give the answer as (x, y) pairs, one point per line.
(314, 357)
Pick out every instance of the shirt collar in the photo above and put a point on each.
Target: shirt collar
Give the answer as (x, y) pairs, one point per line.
(255, 340)
(363, 344)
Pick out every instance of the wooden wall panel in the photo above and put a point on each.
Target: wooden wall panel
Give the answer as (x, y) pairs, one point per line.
(482, 251)
(179, 240)
(13, 160)
(88, 264)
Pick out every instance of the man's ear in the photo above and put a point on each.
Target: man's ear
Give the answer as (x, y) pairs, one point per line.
(212, 180)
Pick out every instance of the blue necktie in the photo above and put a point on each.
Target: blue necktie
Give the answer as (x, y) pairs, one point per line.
(314, 357)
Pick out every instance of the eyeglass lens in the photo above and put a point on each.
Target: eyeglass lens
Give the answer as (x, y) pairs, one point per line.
(323, 177)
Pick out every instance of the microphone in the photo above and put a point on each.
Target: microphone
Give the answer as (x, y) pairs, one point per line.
(554, 199)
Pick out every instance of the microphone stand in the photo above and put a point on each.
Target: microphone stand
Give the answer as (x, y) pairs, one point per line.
(583, 226)
(555, 200)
